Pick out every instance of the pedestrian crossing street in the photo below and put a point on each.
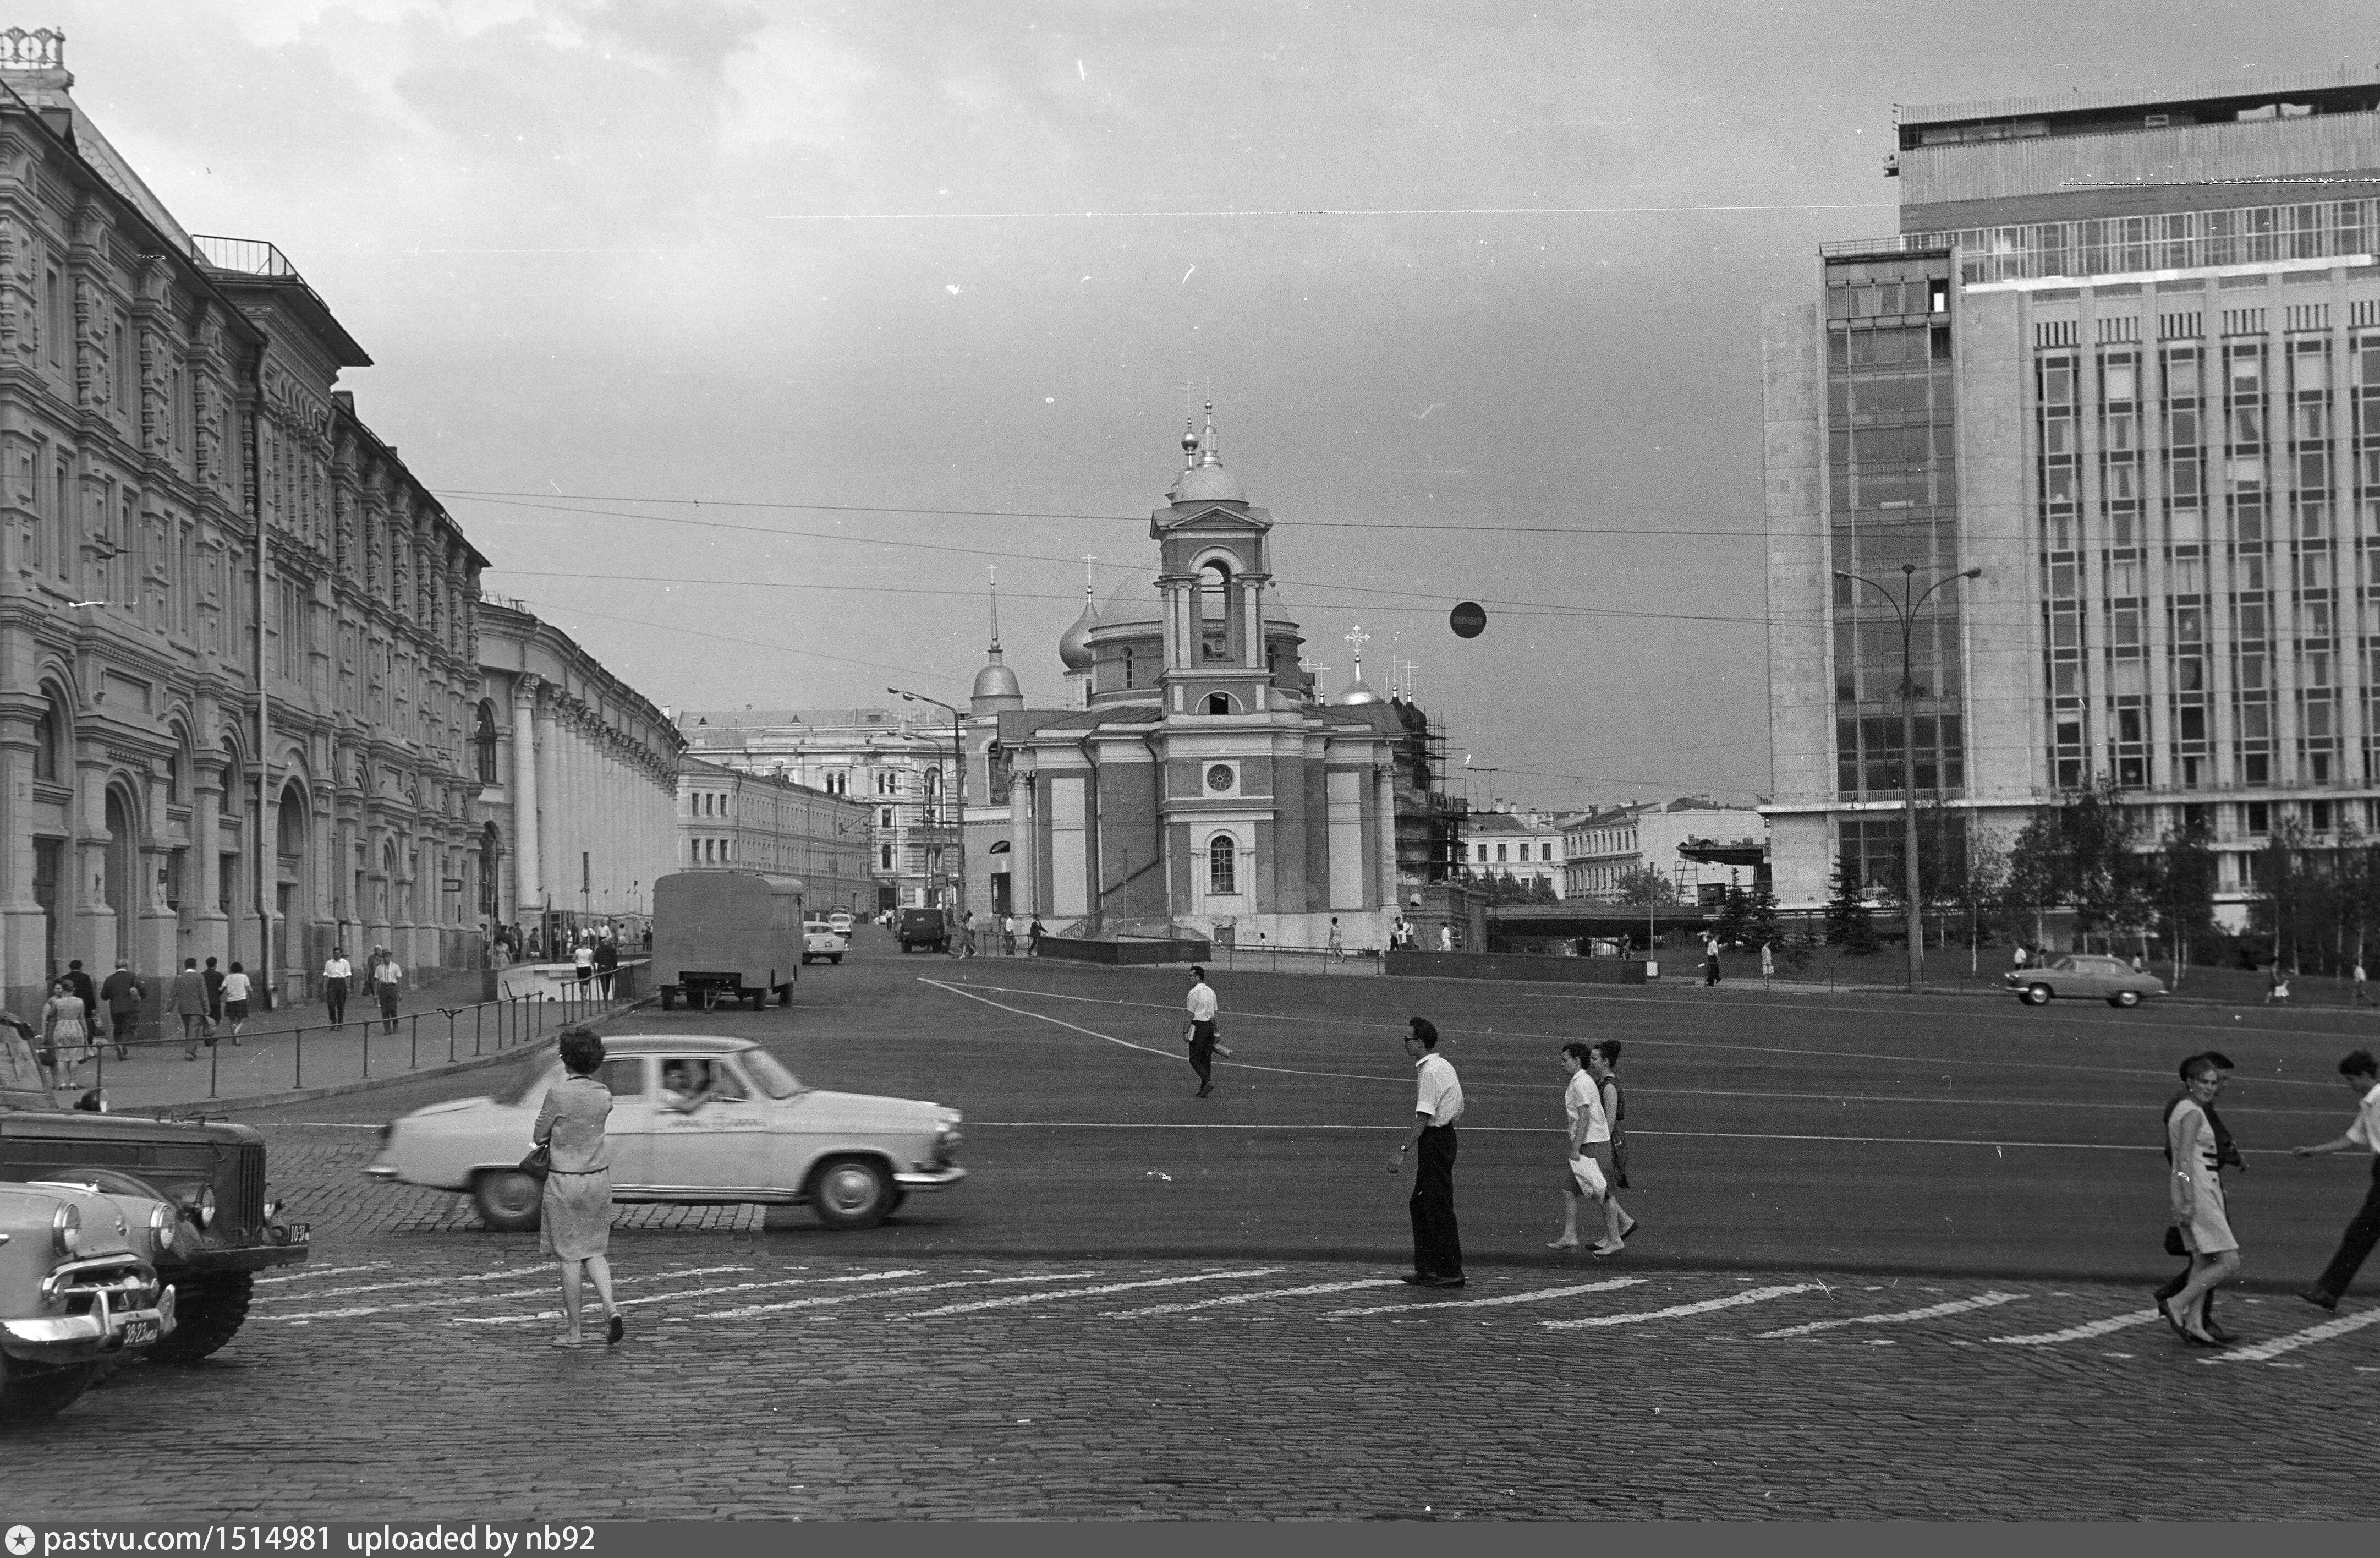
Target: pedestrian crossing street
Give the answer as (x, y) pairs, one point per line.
(2010, 1318)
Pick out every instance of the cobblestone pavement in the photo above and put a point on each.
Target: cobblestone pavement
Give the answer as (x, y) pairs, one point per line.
(403, 1372)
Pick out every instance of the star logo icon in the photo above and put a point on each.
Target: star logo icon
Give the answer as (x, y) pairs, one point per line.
(20, 1540)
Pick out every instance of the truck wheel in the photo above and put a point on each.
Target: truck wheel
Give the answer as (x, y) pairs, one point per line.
(208, 1311)
(850, 1193)
(29, 1390)
(834, 958)
(2037, 994)
(507, 1199)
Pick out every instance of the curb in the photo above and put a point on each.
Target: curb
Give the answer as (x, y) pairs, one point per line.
(307, 1095)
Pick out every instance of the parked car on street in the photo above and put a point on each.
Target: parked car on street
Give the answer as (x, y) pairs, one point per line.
(726, 935)
(78, 1291)
(212, 1173)
(820, 939)
(695, 1120)
(2084, 975)
(923, 928)
(841, 921)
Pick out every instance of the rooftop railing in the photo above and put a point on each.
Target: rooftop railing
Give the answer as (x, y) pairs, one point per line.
(251, 257)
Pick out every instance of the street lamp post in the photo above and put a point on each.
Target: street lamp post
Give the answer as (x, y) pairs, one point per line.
(1906, 608)
(958, 765)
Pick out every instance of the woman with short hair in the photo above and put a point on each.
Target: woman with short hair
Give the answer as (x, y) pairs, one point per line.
(2195, 1185)
(65, 1033)
(575, 1222)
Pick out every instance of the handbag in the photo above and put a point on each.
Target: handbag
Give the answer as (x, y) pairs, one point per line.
(2173, 1243)
(1620, 1163)
(540, 1162)
(1589, 1175)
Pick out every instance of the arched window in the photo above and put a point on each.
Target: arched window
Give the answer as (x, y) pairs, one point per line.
(1218, 703)
(1214, 609)
(483, 741)
(1222, 864)
(46, 745)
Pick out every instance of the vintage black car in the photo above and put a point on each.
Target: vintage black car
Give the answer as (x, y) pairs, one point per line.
(212, 1172)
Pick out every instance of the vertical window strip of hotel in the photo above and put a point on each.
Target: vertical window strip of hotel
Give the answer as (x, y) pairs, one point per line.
(2057, 396)
(2167, 241)
(1893, 500)
(2247, 474)
(2181, 382)
(2363, 381)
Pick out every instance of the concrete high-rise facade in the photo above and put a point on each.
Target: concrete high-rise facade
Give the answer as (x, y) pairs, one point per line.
(2124, 357)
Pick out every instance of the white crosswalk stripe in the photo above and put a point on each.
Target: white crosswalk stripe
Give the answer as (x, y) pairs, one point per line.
(1250, 1298)
(1539, 1295)
(1900, 1317)
(687, 1292)
(316, 1295)
(307, 1317)
(310, 1273)
(1734, 1300)
(2292, 1342)
(2085, 1331)
(746, 1311)
(1084, 1293)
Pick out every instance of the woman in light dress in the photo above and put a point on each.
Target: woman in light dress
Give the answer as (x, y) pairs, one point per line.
(65, 1034)
(575, 1222)
(2195, 1184)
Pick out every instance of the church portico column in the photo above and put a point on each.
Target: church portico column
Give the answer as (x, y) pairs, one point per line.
(528, 865)
(208, 927)
(89, 933)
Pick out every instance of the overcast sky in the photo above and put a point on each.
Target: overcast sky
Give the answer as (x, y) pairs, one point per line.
(1461, 265)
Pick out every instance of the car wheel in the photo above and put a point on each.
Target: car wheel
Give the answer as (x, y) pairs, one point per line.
(507, 1199)
(2037, 994)
(2125, 998)
(836, 958)
(208, 1312)
(852, 1193)
(29, 1390)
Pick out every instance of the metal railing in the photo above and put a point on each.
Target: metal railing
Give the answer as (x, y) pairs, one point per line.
(397, 1044)
(1267, 957)
(254, 257)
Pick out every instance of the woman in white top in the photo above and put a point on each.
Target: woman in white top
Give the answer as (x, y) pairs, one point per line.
(2195, 1184)
(235, 992)
(65, 1034)
(1590, 1172)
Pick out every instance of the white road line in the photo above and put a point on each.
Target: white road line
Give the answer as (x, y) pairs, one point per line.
(1084, 1292)
(1164, 1055)
(2085, 1331)
(1249, 1297)
(323, 1271)
(1751, 1295)
(750, 1309)
(1535, 1295)
(688, 1293)
(1550, 1130)
(2293, 1342)
(1899, 1317)
(311, 1297)
(356, 1311)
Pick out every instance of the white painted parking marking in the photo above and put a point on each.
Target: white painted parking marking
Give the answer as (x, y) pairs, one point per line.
(687, 1292)
(307, 1317)
(2292, 1342)
(1535, 1295)
(749, 1309)
(1734, 1300)
(1900, 1317)
(1249, 1297)
(310, 1297)
(322, 1271)
(1084, 1292)
(2082, 1333)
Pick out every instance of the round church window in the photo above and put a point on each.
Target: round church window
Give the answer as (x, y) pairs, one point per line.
(1219, 777)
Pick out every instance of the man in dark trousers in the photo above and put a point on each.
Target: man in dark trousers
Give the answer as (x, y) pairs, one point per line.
(2361, 1073)
(2227, 1155)
(1198, 1031)
(214, 982)
(1437, 1103)
(123, 994)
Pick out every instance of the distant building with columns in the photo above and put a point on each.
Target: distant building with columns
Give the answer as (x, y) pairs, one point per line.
(236, 632)
(732, 821)
(577, 811)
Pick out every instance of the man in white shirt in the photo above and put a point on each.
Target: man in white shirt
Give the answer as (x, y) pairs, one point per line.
(2360, 1073)
(336, 975)
(1199, 1030)
(392, 980)
(1437, 1103)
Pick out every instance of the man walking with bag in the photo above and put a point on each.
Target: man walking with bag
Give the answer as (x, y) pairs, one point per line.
(1437, 1103)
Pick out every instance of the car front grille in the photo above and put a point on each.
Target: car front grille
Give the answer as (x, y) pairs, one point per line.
(76, 1286)
(241, 1201)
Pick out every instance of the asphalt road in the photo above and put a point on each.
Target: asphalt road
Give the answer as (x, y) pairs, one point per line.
(1855, 1134)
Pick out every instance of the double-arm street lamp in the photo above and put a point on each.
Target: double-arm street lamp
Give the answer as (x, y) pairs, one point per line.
(958, 764)
(1906, 606)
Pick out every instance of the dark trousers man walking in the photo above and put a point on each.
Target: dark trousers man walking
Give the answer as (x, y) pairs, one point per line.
(2360, 1073)
(335, 1000)
(1437, 1103)
(2362, 1235)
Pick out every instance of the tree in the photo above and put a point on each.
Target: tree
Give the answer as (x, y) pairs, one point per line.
(1647, 888)
(1733, 922)
(2084, 853)
(1760, 926)
(2184, 891)
(1848, 925)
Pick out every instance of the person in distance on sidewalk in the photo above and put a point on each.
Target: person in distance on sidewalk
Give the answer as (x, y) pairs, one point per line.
(2360, 1073)
(1437, 1103)
(2195, 1184)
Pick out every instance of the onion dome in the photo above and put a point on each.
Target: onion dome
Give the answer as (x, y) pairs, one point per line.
(996, 680)
(1356, 692)
(1074, 644)
(1203, 478)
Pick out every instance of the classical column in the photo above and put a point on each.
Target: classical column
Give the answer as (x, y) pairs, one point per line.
(527, 875)
(209, 930)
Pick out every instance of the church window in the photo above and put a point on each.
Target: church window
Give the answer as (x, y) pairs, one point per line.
(1499, 853)
(1218, 703)
(1127, 668)
(1222, 864)
(1214, 610)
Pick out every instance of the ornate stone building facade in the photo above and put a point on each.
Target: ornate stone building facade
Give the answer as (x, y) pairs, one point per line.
(577, 800)
(236, 634)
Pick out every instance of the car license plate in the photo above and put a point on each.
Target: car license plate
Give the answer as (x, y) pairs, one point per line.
(142, 1332)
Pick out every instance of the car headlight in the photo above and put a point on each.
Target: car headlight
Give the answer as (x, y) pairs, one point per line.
(201, 1208)
(162, 1224)
(65, 1230)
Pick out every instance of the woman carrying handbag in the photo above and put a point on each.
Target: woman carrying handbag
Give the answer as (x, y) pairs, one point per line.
(575, 1220)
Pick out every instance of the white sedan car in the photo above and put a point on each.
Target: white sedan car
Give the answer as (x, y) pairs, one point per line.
(695, 1120)
(823, 940)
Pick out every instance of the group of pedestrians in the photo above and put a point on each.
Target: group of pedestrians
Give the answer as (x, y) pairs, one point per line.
(383, 979)
(79, 1018)
(2199, 1148)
